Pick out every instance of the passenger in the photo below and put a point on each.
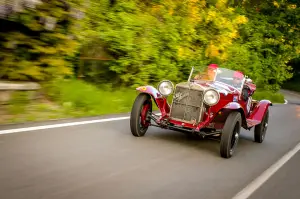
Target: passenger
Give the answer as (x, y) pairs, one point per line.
(238, 77)
(210, 73)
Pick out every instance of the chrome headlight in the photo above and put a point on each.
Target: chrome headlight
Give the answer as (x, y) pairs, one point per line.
(211, 97)
(166, 87)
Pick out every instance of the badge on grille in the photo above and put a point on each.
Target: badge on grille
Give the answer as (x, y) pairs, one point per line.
(179, 96)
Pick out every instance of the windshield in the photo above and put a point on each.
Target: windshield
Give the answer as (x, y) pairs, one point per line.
(226, 76)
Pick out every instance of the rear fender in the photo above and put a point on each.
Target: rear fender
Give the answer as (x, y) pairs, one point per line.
(259, 110)
(160, 101)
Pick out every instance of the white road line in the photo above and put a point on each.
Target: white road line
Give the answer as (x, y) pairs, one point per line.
(259, 181)
(36, 128)
(285, 101)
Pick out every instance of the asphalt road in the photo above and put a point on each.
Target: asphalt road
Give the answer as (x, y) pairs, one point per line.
(283, 184)
(104, 161)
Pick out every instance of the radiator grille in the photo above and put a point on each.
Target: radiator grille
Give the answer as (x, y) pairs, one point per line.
(187, 104)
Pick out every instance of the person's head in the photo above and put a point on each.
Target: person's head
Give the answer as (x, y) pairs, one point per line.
(238, 76)
(213, 66)
(211, 70)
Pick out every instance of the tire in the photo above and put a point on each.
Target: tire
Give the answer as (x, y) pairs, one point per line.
(137, 129)
(261, 129)
(230, 133)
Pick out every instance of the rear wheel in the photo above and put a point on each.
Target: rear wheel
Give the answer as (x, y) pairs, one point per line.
(139, 120)
(230, 134)
(261, 129)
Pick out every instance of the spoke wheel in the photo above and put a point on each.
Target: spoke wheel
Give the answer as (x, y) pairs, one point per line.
(139, 119)
(230, 135)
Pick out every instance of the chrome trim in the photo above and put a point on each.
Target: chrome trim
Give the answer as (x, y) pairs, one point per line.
(218, 93)
(165, 81)
(191, 73)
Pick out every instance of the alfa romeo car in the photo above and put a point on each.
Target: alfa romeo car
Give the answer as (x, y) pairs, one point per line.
(212, 102)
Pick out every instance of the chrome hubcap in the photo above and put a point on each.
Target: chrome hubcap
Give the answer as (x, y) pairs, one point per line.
(264, 130)
(236, 137)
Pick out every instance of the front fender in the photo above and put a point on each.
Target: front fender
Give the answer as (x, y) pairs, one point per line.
(150, 90)
(232, 106)
(259, 110)
(160, 101)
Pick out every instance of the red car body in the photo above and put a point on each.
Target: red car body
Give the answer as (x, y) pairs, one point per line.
(192, 115)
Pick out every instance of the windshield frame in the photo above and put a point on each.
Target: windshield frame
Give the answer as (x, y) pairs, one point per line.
(228, 72)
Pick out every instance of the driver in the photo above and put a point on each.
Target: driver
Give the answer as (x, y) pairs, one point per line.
(210, 73)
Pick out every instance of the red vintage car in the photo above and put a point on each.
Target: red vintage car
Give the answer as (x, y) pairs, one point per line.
(207, 104)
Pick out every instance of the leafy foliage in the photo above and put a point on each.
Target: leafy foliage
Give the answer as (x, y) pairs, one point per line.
(154, 40)
(268, 42)
(36, 42)
(151, 40)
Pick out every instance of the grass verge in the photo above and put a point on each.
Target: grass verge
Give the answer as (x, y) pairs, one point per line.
(269, 95)
(75, 95)
(74, 98)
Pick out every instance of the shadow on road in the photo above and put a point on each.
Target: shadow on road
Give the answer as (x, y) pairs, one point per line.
(208, 144)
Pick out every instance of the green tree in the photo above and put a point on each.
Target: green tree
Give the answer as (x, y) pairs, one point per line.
(154, 40)
(268, 42)
(39, 40)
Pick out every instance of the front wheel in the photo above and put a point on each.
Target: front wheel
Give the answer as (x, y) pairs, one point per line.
(230, 134)
(139, 121)
(261, 129)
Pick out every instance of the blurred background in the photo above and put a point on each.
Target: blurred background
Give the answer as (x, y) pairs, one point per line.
(77, 58)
